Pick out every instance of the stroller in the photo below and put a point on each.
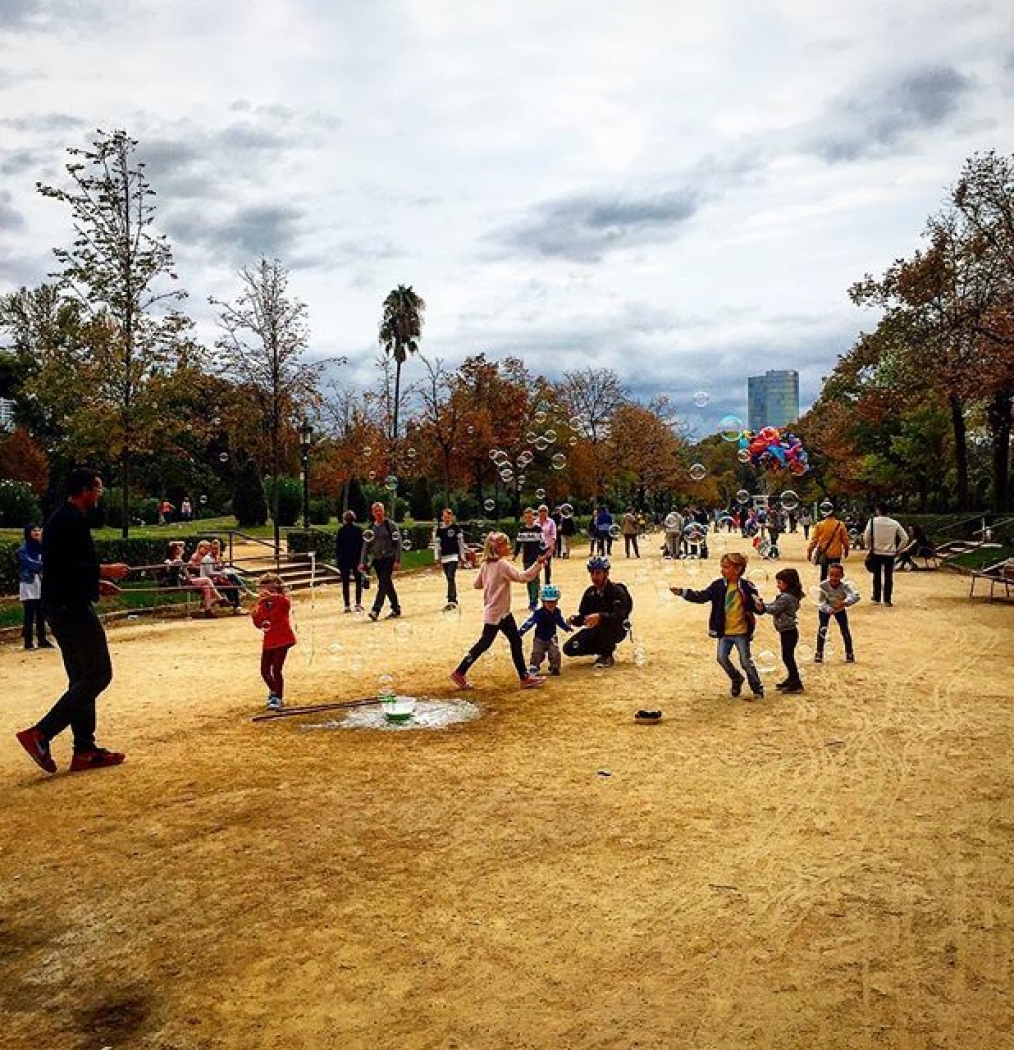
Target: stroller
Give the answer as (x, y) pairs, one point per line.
(764, 547)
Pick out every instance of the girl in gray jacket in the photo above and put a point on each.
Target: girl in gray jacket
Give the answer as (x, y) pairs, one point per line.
(784, 609)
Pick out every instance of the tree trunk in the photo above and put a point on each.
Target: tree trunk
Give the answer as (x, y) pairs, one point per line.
(998, 412)
(960, 449)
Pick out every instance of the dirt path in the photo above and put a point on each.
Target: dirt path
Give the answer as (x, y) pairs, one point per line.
(826, 870)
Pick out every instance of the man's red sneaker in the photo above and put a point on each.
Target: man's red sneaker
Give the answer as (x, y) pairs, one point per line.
(532, 681)
(97, 759)
(37, 746)
(460, 680)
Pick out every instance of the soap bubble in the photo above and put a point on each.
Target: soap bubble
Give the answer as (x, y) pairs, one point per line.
(540, 416)
(411, 452)
(640, 656)
(494, 454)
(698, 472)
(204, 499)
(372, 475)
(391, 483)
(743, 455)
(471, 429)
(406, 544)
(550, 436)
(531, 437)
(385, 683)
(559, 461)
(540, 493)
(742, 496)
(826, 508)
(789, 500)
(367, 450)
(368, 535)
(701, 398)
(730, 427)
(572, 441)
(566, 510)
(766, 661)
(804, 652)
(541, 444)
(489, 506)
(223, 457)
(615, 531)
(216, 421)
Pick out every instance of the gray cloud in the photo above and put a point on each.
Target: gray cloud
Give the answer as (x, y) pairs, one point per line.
(43, 123)
(10, 217)
(883, 119)
(584, 228)
(251, 231)
(48, 14)
(19, 160)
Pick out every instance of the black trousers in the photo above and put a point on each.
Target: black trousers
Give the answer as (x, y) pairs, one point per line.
(628, 542)
(592, 641)
(347, 575)
(489, 631)
(789, 640)
(384, 568)
(33, 620)
(883, 576)
(842, 619)
(450, 574)
(85, 652)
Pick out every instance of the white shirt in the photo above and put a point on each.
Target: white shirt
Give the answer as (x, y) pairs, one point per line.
(884, 535)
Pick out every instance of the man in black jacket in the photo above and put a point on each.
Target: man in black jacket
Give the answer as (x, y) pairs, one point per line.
(602, 614)
(72, 580)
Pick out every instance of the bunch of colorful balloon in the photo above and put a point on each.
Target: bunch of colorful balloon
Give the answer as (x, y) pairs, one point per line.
(774, 448)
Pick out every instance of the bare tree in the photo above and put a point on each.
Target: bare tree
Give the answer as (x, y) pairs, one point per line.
(265, 335)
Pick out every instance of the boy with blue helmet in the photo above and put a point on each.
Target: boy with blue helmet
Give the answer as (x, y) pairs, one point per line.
(545, 620)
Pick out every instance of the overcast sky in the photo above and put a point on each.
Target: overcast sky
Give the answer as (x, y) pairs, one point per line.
(680, 192)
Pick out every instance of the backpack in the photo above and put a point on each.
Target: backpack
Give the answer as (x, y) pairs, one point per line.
(626, 598)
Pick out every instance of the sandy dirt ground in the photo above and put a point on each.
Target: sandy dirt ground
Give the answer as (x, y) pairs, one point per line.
(832, 869)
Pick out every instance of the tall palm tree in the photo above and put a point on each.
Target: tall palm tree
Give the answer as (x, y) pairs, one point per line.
(400, 331)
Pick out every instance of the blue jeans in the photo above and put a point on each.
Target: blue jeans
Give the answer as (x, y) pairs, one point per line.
(741, 643)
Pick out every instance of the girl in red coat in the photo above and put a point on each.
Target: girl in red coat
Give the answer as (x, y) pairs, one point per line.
(271, 615)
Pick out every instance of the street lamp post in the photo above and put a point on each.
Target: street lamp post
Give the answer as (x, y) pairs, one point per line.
(305, 440)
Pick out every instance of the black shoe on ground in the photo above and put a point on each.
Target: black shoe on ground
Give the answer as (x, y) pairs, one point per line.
(793, 687)
(374, 615)
(393, 614)
(782, 685)
(736, 688)
(850, 658)
(44, 644)
(29, 646)
(818, 658)
(555, 672)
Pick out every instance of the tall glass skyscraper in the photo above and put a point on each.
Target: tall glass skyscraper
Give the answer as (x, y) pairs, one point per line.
(772, 399)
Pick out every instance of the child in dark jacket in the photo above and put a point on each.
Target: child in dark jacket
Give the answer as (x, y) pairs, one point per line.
(545, 620)
(784, 609)
(733, 601)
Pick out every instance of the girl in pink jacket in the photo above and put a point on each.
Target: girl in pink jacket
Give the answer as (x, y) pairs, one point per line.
(495, 579)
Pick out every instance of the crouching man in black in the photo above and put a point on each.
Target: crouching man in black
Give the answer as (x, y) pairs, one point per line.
(602, 615)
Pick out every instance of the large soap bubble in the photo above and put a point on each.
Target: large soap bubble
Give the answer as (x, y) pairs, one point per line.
(559, 461)
(730, 427)
(698, 472)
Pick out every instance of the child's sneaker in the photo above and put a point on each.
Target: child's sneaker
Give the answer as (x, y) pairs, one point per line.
(99, 758)
(275, 703)
(532, 681)
(555, 672)
(736, 688)
(758, 694)
(818, 658)
(460, 680)
(850, 658)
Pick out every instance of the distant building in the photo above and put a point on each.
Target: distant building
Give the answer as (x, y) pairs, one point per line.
(6, 414)
(772, 399)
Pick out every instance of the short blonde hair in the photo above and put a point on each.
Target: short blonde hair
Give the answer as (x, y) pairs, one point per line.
(273, 582)
(736, 559)
(493, 540)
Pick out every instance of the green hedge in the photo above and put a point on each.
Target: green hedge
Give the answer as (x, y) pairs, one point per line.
(133, 551)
